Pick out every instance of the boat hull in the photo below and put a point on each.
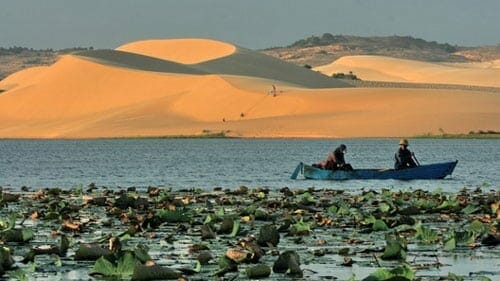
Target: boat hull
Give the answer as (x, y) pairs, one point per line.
(425, 172)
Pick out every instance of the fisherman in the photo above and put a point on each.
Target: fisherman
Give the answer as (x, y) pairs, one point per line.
(335, 160)
(403, 157)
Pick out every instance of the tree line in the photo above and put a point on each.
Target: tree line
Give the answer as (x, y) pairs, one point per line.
(16, 50)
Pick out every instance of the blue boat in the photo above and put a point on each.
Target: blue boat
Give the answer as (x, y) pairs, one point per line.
(422, 172)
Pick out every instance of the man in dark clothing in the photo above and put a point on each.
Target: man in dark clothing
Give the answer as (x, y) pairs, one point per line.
(335, 160)
(339, 160)
(338, 155)
(403, 157)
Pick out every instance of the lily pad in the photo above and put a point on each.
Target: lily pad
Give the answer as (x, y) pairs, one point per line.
(154, 272)
(258, 271)
(380, 225)
(123, 267)
(394, 249)
(289, 262)
(425, 234)
(18, 235)
(402, 273)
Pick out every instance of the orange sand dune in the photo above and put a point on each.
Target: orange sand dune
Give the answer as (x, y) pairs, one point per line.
(187, 51)
(381, 68)
(25, 77)
(83, 98)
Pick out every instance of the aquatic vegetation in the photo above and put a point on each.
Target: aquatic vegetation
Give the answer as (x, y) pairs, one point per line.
(253, 232)
(122, 267)
(402, 273)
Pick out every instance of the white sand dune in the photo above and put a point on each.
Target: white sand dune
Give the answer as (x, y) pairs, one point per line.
(121, 94)
(380, 68)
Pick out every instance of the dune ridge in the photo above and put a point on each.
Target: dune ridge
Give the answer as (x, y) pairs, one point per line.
(131, 92)
(186, 50)
(242, 62)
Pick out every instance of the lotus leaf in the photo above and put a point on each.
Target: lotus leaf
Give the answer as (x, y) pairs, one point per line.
(478, 227)
(394, 249)
(236, 228)
(425, 234)
(177, 215)
(380, 225)
(450, 242)
(470, 209)
(124, 266)
(454, 277)
(402, 273)
(301, 227)
(258, 271)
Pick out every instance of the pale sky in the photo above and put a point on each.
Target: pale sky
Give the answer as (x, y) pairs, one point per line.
(254, 24)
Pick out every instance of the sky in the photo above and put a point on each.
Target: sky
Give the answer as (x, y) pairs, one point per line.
(254, 24)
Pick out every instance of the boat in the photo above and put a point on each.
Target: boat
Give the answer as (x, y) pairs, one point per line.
(421, 172)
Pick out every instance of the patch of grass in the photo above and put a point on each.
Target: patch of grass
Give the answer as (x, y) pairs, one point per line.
(490, 134)
(205, 134)
(349, 76)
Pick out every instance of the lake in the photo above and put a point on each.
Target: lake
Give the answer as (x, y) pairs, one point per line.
(230, 163)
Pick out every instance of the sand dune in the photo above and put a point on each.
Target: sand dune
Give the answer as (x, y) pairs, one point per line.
(186, 51)
(149, 92)
(25, 78)
(379, 68)
(243, 62)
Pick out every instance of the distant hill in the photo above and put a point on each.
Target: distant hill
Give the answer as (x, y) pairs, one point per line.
(320, 50)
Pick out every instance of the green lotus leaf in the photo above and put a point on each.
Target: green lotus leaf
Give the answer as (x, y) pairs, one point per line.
(470, 209)
(177, 215)
(454, 277)
(236, 228)
(380, 225)
(384, 207)
(104, 266)
(307, 198)
(301, 227)
(124, 266)
(464, 237)
(394, 250)
(450, 242)
(332, 209)
(402, 273)
(425, 234)
(478, 227)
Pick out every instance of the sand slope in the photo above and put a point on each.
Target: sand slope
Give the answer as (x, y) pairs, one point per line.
(186, 51)
(379, 68)
(243, 62)
(149, 92)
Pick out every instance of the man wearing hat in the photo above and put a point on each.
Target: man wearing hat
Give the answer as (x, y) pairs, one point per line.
(403, 157)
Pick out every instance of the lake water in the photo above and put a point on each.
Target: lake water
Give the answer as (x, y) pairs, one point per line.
(230, 163)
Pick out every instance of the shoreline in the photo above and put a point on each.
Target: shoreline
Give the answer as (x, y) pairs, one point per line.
(223, 136)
